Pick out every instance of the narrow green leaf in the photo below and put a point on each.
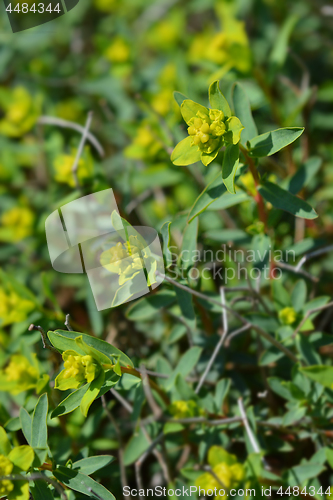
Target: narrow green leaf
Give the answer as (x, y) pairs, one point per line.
(92, 464)
(38, 424)
(185, 301)
(165, 232)
(70, 403)
(303, 175)
(92, 393)
(81, 483)
(271, 142)
(217, 99)
(243, 112)
(185, 153)
(280, 48)
(5, 445)
(26, 424)
(40, 491)
(284, 200)
(230, 166)
(212, 192)
(189, 244)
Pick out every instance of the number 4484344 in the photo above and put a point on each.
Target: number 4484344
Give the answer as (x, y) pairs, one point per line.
(311, 491)
(35, 8)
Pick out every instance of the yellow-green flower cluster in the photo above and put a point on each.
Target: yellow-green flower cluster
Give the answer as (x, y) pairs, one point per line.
(14, 461)
(20, 110)
(207, 130)
(145, 145)
(6, 468)
(63, 167)
(16, 224)
(288, 315)
(13, 307)
(19, 375)
(185, 409)
(124, 259)
(78, 370)
(226, 470)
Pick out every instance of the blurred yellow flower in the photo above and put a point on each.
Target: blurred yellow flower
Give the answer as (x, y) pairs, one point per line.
(19, 375)
(69, 109)
(124, 259)
(226, 470)
(118, 52)
(105, 5)
(6, 468)
(146, 144)
(63, 166)
(288, 315)
(16, 224)
(185, 409)
(20, 110)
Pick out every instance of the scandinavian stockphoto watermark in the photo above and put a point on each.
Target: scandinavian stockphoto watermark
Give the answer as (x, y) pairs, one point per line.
(227, 263)
(122, 262)
(27, 14)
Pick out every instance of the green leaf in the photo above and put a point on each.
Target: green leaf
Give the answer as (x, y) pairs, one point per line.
(40, 491)
(22, 457)
(218, 455)
(212, 192)
(320, 373)
(189, 244)
(70, 403)
(207, 158)
(5, 446)
(92, 464)
(234, 130)
(298, 295)
(137, 445)
(81, 483)
(217, 99)
(185, 365)
(229, 167)
(185, 301)
(190, 109)
(228, 200)
(271, 142)
(243, 111)
(284, 200)
(302, 473)
(26, 424)
(39, 428)
(165, 232)
(280, 48)
(179, 98)
(303, 175)
(185, 153)
(65, 340)
(92, 393)
(329, 456)
(222, 389)
(148, 307)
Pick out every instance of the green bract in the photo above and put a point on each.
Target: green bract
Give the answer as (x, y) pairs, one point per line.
(91, 367)
(208, 129)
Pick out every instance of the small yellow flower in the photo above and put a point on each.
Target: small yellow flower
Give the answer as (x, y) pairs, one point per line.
(145, 145)
(17, 224)
(124, 259)
(63, 166)
(13, 307)
(6, 468)
(226, 471)
(78, 370)
(118, 52)
(20, 109)
(206, 130)
(19, 375)
(185, 409)
(288, 315)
